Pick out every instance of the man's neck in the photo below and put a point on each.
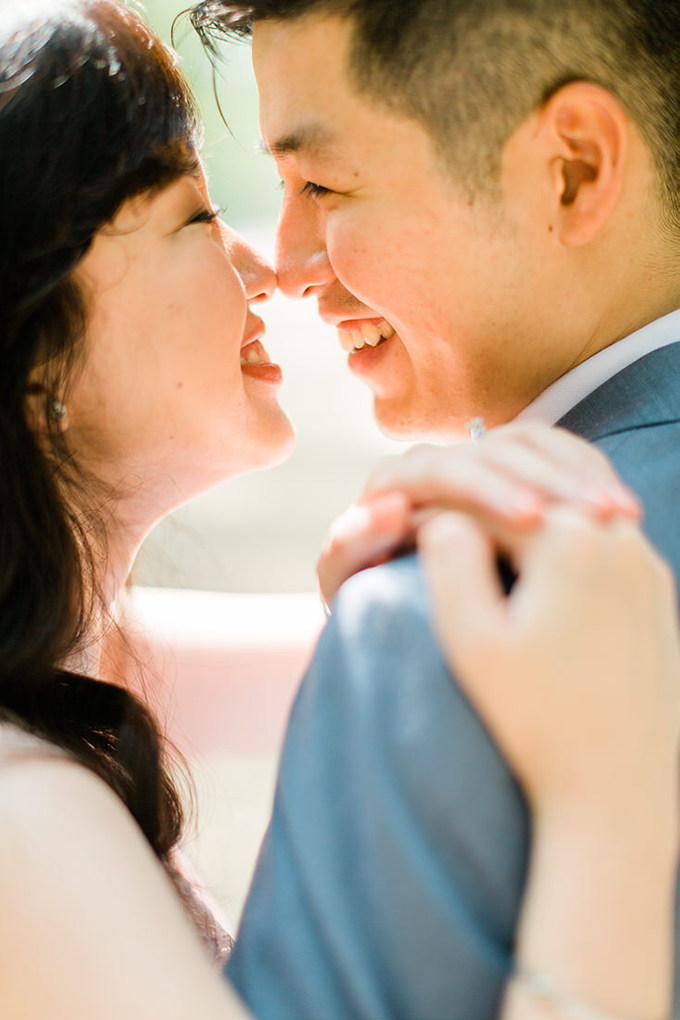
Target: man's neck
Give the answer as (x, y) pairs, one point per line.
(621, 323)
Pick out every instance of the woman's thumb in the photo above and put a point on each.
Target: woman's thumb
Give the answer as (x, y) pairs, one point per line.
(460, 564)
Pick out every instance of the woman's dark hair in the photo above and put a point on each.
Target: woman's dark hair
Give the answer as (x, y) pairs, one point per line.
(93, 111)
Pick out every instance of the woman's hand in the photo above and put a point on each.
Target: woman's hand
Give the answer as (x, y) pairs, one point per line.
(507, 480)
(577, 671)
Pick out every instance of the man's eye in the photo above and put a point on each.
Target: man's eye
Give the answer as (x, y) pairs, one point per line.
(314, 190)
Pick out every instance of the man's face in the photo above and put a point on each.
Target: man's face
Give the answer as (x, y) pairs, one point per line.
(395, 254)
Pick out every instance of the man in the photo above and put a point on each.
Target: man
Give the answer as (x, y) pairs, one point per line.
(482, 196)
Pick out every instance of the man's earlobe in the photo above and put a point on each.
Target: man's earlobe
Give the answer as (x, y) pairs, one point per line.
(590, 137)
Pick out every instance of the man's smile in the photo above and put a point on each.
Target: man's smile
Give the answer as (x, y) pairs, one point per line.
(358, 334)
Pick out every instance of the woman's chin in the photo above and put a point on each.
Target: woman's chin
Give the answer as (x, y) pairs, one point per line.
(279, 445)
(274, 445)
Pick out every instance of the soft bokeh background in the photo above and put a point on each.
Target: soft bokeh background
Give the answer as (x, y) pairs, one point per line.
(263, 532)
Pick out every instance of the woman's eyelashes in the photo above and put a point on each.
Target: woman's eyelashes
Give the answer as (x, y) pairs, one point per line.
(205, 215)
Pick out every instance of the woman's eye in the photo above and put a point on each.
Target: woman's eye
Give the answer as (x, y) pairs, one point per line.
(205, 216)
(314, 190)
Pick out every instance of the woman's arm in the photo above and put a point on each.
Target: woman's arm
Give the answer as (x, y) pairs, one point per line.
(598, 917)
(90, 925)
(576, 674)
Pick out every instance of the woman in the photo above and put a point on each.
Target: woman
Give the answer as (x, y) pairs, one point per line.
(133, 377)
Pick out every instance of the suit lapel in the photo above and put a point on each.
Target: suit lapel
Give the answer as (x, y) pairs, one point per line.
(644, 394)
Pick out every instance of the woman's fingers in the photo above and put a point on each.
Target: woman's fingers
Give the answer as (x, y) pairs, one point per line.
(577, 458)
(460, 562)
(585, 645)
(508, 480)
(375, 528)
(458, 478)
(366, 534)
(511, 475)
(581, 482)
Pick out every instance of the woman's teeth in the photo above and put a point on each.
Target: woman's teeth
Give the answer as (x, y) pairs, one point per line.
(364, 336)
(253, 356)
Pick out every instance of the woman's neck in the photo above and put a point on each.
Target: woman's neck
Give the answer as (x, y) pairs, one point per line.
(116, 553)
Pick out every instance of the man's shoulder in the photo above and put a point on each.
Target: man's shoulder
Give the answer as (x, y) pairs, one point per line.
(649, 448)
(392, 588)
(648, 460)
(634, 418)
(644, 395)
(380, 622)
(378, 657)
(381, 702)
(385, 611)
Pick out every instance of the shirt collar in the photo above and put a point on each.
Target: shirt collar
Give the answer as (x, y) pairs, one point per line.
(567, 391)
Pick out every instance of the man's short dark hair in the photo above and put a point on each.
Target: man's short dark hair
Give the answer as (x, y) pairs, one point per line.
(472, 70)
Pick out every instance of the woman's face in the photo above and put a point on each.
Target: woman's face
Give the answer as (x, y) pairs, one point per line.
(176, 393)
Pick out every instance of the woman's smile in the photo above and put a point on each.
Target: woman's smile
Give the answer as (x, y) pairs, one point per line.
(256, 364)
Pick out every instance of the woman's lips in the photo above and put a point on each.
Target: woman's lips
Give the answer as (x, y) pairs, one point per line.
(255, 363)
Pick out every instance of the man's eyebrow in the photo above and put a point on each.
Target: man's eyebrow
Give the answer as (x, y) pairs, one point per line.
(302, 138)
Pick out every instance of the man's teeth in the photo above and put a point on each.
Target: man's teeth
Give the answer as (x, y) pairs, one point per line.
(367, 335)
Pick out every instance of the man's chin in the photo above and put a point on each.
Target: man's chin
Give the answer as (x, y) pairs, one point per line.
(409, 425)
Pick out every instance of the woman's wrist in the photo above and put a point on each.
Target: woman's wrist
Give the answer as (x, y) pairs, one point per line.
(619, 810)
(598, 910)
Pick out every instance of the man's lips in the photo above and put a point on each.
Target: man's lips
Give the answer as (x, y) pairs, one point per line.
(359, 323)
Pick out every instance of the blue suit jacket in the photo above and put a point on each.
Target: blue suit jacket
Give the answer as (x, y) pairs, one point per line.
(391, 877)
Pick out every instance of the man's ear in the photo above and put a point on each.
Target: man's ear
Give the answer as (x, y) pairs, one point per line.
(587, 133)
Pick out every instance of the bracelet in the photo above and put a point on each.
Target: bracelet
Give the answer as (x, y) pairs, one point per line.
(543, 988)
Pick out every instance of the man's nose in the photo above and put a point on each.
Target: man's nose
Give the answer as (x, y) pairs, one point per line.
(259, 278)
(302, 263)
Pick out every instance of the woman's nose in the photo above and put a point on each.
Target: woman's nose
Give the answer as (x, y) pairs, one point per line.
(259, 278)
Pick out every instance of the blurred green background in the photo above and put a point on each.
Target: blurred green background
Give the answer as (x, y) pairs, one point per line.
(242, 179)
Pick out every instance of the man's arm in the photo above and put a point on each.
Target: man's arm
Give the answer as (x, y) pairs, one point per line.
(391, 877)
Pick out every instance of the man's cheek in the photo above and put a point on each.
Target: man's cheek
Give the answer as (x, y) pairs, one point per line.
(360, 263)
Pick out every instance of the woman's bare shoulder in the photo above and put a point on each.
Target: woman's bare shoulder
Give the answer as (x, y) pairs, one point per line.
(50, 805)
(77, 875)
(18, 742)
(37, 777)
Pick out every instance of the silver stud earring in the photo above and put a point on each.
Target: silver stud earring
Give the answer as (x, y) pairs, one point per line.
(58, 411)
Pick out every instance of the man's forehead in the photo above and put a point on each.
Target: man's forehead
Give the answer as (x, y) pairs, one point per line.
(307, 137)
(300, 70)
